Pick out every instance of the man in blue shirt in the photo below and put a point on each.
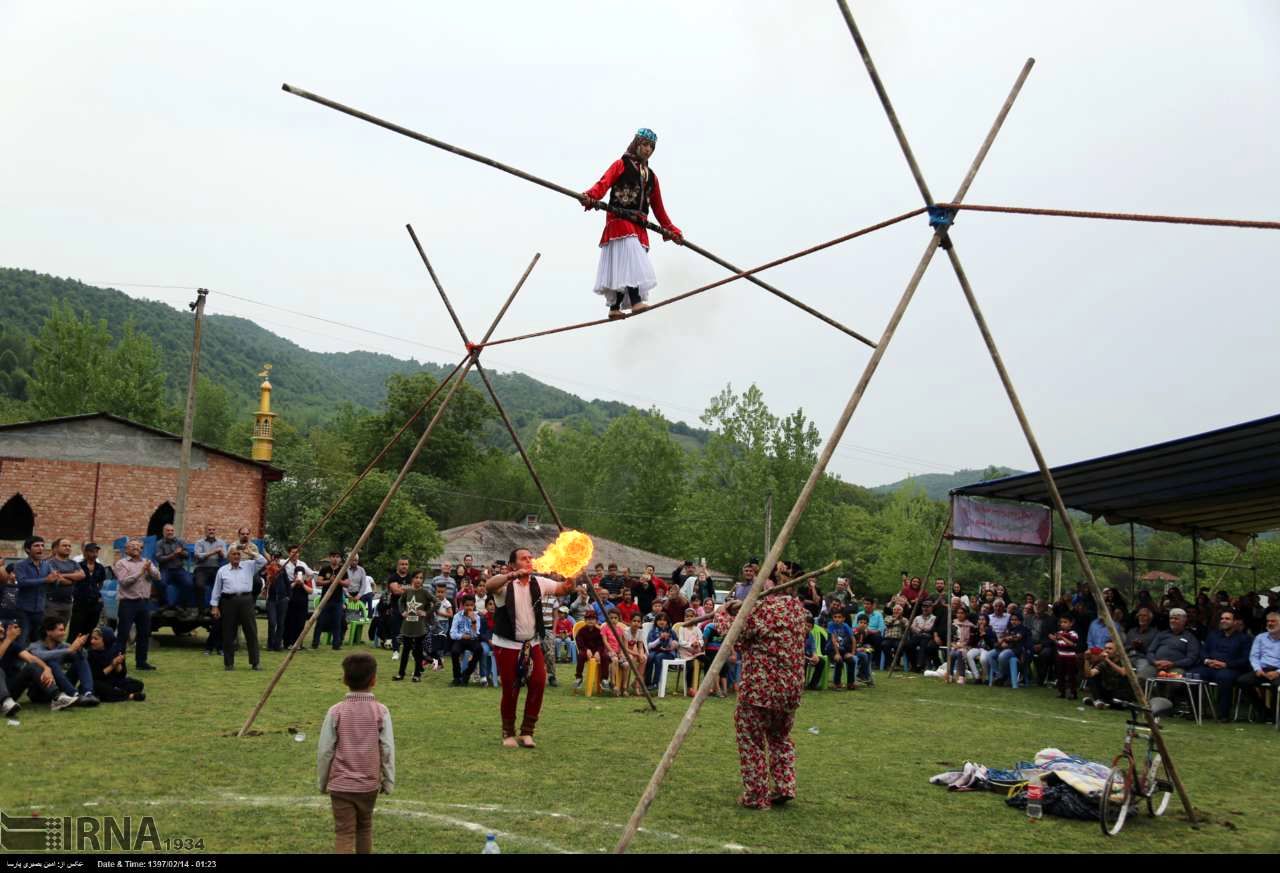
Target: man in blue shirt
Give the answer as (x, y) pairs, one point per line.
(33, 577)
(1224, 656)
(1264, 660)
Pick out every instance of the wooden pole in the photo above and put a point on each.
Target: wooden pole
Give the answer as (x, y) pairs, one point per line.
(560, 189)
(188, 420)
(768, 521)
(377, 516)
(515, 437)
(951, 551)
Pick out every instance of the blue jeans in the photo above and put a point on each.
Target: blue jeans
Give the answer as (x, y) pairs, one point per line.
(657, 661)
(80, 665)
(178, 588)
(135, 612)
(1007, 660)
(569, 647)
(276, 610)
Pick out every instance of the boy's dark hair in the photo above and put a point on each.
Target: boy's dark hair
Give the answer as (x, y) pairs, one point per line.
(31, 541)
(359, 670)
(51, 622)
(662, 616)
(863, 619)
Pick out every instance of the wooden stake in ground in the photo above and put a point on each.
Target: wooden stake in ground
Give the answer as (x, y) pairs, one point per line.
(377, 516)
(515, 437)
(1023, 422)
(560, 189)
(793, 518)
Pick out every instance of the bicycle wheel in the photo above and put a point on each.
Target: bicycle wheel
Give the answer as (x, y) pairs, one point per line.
(1113, 806)
(1159, 791)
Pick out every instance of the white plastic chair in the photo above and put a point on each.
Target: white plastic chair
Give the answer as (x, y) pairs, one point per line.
(677, 663)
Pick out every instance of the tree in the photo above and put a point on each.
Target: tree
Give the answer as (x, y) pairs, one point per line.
(17, 357)
(214, 416)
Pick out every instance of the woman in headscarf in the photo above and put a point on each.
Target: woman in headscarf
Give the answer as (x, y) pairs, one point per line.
(624, 276)
(111, 680)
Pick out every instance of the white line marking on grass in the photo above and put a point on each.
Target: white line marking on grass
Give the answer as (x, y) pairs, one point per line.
(1004, 710)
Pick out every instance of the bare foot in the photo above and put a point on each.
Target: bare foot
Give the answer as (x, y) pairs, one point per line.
(509, 742)
(526, 742)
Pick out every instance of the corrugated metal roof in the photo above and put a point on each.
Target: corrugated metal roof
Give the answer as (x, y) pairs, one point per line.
(1221, 484)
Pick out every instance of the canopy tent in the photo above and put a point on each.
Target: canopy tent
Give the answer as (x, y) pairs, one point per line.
(1222, 484)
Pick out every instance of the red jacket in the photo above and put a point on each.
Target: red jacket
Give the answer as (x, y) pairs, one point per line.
(616, 227)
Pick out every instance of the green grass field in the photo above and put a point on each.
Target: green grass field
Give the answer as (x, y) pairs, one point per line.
(863, 776)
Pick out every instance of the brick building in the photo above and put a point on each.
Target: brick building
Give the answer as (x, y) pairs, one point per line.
(98, 477)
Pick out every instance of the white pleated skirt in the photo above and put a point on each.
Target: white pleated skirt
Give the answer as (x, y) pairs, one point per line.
(624, 263)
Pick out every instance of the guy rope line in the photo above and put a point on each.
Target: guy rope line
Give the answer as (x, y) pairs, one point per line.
(1116, 216)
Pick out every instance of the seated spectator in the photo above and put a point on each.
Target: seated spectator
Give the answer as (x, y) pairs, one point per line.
(1011, 651)
(591, 647)
(580, 605)
(1264, 663)
(895, 626)
(1174, 650)
(1098, 633)
(981, 643)
(1066, 658)
(1224, 657)
(689, 637)
(962, 638)
(63, 658)
(1038, 622)
(111, 680)
(675, 606)
(464, 632)
(1139, 637)
(1106, 676)
(564, 637)
(662, 645)
(811, 598)
(921, 635)
(957, 590)
(999, 619)
(840, 650)
(613, 647)
(22, 671)
(712, 636)
(815, 664)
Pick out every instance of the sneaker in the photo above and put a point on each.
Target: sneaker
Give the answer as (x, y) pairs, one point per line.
(62, 701)
(395, 656)
(87, 700)
(10, 708)
(397, 678)
(577, 683)
(417, 678)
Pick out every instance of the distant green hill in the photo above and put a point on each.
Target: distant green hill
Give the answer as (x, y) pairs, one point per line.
(309, 386)
(939, 485)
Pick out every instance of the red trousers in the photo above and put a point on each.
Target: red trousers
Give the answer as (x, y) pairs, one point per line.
(535, 682)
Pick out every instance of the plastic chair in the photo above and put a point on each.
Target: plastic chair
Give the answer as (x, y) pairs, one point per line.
(819, 636)
(677, 663)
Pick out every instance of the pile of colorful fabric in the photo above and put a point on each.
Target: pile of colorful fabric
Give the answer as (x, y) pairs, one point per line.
(1072, 785)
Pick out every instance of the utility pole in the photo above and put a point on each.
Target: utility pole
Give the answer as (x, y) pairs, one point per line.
(184, 464)
(768, 522)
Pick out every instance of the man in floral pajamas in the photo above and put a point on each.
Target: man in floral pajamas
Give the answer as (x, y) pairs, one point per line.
(771, 648)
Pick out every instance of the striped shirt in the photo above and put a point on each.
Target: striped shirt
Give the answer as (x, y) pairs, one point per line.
(357, 751)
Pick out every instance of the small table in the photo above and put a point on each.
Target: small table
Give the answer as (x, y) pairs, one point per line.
(1195, 691)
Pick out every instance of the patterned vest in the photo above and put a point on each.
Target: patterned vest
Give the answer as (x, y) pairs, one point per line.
(629, 190)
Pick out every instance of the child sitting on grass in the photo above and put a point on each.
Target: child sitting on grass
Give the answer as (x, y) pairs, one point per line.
(357, 755)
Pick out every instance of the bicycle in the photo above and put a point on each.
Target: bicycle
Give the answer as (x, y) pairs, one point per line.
(1126, 782)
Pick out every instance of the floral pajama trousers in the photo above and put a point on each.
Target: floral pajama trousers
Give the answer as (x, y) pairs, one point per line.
(765, 749)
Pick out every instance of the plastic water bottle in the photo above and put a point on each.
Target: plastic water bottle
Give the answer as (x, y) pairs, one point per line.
(1035, 796)
(491, 845)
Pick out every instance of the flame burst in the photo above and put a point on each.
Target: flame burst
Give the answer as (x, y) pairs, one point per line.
(568, 555)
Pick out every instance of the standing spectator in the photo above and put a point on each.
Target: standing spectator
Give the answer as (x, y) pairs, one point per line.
(171, 556)
(333, 615)
(22, 671)
(58, 603)
(244, 541)
(279, 587)
(911, 590)
(470, 571)
(440, 626)
(549, 605)
(675, 606)
(210, 553)
(33, 577)
(581, 604)
(9, 597)
(295, 616)
(843, 594)
(680, 574)
(741, 589)
(645, 591)
(232, 601)
(416, 606)
(86, 606)
(1066, 663)
(464, 634)
(811, 598)
(702, 586)
(111, 680)
(612, 581)
(357, 755)
(1224, 657)
(445, 578)
(63, 659)
(396, 584)
(134, 575)
(359, 585)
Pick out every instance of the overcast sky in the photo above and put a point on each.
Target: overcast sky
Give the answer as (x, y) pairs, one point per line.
(151, 143)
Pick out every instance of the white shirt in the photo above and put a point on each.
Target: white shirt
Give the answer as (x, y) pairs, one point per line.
(526, 625)
(236, 580)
